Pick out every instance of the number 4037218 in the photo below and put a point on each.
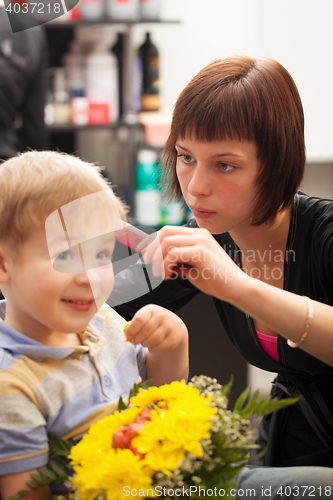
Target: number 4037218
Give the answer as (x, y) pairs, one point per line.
(34, 8)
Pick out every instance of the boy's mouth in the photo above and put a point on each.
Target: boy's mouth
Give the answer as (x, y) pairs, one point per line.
(79, 305)
(78, 301)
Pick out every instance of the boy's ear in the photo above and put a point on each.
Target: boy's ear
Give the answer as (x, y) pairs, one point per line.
(4, 274)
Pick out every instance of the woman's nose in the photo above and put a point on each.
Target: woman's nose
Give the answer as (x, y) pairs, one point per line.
(199, 184)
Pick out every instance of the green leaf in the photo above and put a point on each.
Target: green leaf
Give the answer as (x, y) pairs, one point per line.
(18, 495)
(275, 404)
(40, 479)
(121, 404)
(267, 406)
(135, 389)
(226, 389)
(61, 447)
(146, 384)
(33, 484)
(48, 473)
(241, 400)
(58, 469)
(251, 406)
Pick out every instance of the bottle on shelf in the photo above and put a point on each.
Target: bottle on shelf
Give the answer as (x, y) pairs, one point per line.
(61, 102)
(150, 90)
(150, 9)
(73, 62)
(101, 79)
(123, 10)
(173, 214)
(92, 9)
(118, 51)
(147, 211)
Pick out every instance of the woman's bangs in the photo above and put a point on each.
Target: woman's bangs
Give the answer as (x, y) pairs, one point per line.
(216, 120)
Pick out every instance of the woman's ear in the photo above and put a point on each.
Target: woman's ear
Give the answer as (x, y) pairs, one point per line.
(4, 274)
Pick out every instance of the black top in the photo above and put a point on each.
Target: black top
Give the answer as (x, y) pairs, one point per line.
(308, 270)
(23, 60)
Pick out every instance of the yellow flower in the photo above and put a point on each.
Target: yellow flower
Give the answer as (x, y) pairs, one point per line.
(180, 419)
(112, 472)
(99, 437)
(176, 430)
(163, 393)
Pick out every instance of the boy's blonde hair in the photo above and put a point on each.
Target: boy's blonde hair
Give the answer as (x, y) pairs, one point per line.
(34, 184)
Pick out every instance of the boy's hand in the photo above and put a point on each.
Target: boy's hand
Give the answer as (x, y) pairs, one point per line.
(166, 337)
(156, 328)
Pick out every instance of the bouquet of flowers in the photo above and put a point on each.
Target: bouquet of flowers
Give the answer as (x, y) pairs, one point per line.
(172, 441)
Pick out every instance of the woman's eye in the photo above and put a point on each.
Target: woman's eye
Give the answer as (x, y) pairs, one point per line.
(186, 158)
(225, 167)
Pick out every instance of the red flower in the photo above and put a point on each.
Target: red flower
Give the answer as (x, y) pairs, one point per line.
(122, 438)
(144, 416)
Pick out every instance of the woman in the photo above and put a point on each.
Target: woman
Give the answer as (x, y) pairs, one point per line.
(263, 250)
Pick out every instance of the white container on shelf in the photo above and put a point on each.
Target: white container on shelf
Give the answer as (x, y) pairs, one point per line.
(92, 9)
(123, 9)
(102, 78)
(150, 9)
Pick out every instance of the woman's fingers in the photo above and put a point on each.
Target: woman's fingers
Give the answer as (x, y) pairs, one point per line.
(164, 260)
(195, 241)
(148, 247)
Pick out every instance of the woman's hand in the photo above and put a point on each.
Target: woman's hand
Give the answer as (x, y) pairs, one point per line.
(211, 269)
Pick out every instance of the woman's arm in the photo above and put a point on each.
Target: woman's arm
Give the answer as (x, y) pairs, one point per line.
(215, 273)
(285, 313)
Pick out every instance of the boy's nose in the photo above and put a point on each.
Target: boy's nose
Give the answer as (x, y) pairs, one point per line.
(82, 278)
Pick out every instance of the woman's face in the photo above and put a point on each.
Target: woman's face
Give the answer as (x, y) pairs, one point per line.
(218, 182)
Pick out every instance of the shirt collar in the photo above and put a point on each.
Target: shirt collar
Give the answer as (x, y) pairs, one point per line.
(14, 341)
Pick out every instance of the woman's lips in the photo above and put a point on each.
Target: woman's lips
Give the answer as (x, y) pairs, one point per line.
(201, 213)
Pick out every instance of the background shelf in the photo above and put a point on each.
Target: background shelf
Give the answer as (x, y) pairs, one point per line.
(104, 20)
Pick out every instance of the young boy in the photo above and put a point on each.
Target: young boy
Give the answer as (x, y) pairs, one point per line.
(64, 360)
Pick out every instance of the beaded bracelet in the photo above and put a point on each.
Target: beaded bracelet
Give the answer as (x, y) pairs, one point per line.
(307, 324)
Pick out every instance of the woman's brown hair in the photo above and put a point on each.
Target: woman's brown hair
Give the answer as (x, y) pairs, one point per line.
(242, 98)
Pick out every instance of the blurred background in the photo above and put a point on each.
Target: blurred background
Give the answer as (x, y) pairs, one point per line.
(115, 70)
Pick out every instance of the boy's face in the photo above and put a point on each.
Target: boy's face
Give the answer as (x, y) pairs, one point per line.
(54, 288)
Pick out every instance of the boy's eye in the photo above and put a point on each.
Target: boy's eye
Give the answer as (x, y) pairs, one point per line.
(104, 255)
(64, 256)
